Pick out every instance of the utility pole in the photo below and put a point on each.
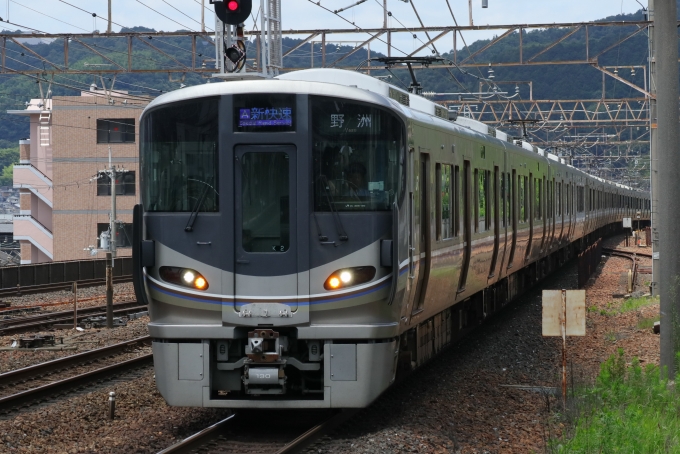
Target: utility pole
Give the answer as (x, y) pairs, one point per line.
(668, 168)
(108, 30)
(203, 15)
(110, 246)
(470, 9)
(385, 13)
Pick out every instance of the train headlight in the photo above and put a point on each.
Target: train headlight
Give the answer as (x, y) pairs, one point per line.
(189, 277)
(349, 277)
(346, 277)
(184, 277)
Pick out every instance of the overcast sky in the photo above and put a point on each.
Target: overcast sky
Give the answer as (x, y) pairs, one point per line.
(303, 14)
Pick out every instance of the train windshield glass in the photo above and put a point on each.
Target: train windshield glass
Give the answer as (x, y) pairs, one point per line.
(179, 157)
(358, 151)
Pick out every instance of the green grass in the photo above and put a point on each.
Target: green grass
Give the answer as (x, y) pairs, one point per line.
(628, 410)
(628, 305)
(633, 304)
(648, 322)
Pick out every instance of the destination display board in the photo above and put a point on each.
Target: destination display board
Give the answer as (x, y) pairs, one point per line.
(264, 113)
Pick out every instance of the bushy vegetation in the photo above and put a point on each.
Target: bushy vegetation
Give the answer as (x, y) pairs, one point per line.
(629, 410)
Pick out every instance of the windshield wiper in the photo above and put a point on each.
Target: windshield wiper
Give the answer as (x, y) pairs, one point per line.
(342, 233)
(199, 203)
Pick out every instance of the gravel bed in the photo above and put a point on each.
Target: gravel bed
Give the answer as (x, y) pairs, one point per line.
(463, 401)
(86, 340)
(62, 300)
(16, 388)
(83, 340)
(80, 424)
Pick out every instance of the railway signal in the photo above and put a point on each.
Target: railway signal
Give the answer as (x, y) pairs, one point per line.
(232, 12)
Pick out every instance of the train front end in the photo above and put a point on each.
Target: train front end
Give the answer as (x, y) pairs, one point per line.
(267, 241)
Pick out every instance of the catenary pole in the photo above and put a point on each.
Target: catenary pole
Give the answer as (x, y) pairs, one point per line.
(108, 29)
(666, 57)
(653, 153)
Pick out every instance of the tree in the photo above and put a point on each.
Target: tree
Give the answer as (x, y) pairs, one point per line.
(7, 177)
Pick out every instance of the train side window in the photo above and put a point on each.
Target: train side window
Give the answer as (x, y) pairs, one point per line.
(490, 199)
(538, 196)
(508, 199)
(477, 201)
(456, 194)
(482, 192)
(444, 213)
(503, 197)
(522, 205)
(439, 200)
(558, 199)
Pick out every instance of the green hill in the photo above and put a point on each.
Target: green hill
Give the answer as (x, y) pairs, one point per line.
(550, 82)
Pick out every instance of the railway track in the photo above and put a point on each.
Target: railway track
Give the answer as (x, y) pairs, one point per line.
(43, 288)
(633, 256)
(244, 432)
(31, 379)
(41, 321)
(626, 254)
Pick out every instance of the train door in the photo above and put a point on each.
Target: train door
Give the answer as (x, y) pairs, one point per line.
(530, 204)
(512, 223)
(560, 210)
(495, 207)
(424, 233)
(266, 233)
(467, 224)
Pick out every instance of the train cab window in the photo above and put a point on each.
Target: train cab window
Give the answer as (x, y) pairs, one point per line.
(179, 144)
(265, 202)
(358, 153)
(444, 202)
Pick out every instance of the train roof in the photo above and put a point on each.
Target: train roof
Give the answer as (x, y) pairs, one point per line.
(355, 79)
(356, 86)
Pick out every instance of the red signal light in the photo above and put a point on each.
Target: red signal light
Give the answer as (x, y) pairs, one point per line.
(232, 5)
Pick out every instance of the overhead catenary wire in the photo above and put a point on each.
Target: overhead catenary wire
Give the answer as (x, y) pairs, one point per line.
(354, 24)
(158, 12)
(47, 15)
(179, 11)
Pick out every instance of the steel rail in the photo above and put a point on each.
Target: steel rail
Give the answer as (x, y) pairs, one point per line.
(208, 435)
(27, 323)
(42, 288)
(631, 253)
(35, 395)
(50, 367)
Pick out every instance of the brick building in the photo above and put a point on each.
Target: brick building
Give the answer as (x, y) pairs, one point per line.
(64, 207)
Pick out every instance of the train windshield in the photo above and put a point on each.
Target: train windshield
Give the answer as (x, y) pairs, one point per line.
(179, 157)
(358, 151)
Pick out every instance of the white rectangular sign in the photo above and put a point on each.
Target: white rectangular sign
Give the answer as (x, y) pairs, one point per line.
(627, 223)
(554, 312)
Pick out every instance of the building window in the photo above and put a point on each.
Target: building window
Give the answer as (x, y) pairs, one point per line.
(125, 184)
(116, 131)
(123, 233)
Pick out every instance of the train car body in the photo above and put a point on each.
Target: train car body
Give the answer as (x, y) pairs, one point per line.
(303, 238)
